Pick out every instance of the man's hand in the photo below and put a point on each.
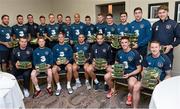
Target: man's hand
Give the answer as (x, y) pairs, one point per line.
(167, 48)
(17, 64)
(126, 76)
(135, 46)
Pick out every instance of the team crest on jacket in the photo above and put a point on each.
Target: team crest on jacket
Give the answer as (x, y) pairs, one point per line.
(112, 29)
(160, 64)
(27, 52)
(24, 29)
(18, 53)
(142, 26)
(81, 27)
(85, 48)
(157, 28)
(168, 27)
(126, 29)
(35, 26)
(65, 49)
(130, 58)
(104, 50)
(46, 53)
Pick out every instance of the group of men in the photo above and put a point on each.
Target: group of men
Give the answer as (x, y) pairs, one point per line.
(164, 33)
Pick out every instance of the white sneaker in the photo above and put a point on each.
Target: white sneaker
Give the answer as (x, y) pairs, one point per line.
(26, 93)
(76, 86)
(88, 86)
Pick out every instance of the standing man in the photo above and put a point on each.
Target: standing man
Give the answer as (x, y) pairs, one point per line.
(42, 26)
(5, 37)
(142, 28)
(124, 26)
(60, 21)
(166, 31)
(66, 28)
(20, 30)
(32, 26)
(52, 30)
(100, 25)
(110, 27)
(77, 28)
(132, 62)
(89, 28)
(63, 57)
(20, 54)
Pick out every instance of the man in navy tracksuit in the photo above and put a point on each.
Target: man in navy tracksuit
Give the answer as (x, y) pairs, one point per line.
(20, 54)
(99, 50)
(89, 28)
(42, 26)
(166, 31)
(142, 28)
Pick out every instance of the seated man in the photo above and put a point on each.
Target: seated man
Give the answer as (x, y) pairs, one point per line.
(82, 47)
(62, 54)
(158, 60)
(132, 63)
(100, 50)
(42, 56)
(20, 54)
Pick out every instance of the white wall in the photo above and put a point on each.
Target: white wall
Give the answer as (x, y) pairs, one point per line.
(24, 7)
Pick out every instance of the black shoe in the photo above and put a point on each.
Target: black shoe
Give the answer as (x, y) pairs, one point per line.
(97, 86)
(106, 87)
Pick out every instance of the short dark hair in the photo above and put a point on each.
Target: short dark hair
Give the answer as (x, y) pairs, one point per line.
(29, 15)
(123, 12)
(4, 16)
(23, 38)
(61, 33)
(124, 37)
(42, 17)
(68, 17)
(88, 17)
(137, 8)
(19, 16)
(40, 37)
(59, 15)
(163, 7)
(109, 14)
(100, 14)
(99, 34)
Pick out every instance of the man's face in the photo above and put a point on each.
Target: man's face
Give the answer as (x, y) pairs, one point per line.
(60, 19)
(109, 20)
(162, 14)
(23, 43)
(100, 39)
(61, 38)
(20, 20)
(77, 18)
(138, 14)
(5, 20)
(68, 21)
(81, 38)
(41, 43)
(88, 21)
(155, 48)
(125, 44)
(100, 19)
(30, 19)
(123, 18)
(42, 20)
(51, 19)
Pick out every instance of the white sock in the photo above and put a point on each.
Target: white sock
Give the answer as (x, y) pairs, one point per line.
(58, 86)
(49, 85)
(77, 80)
(68, 84)
(87, 81)
(96, 81)
(37, 87)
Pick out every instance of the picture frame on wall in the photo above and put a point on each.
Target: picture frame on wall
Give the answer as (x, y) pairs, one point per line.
(153, 10)
(177, 11)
